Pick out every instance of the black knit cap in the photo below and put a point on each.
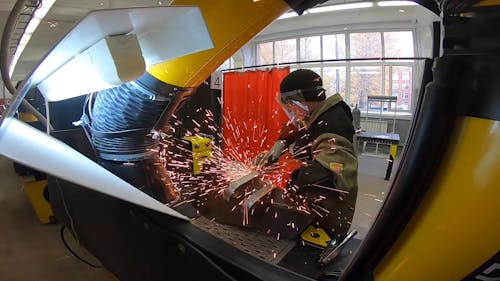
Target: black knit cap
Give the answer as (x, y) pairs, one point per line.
(307, 81)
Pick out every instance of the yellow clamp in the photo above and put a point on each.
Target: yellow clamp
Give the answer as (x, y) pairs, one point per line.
(202, 150)
(316, 236)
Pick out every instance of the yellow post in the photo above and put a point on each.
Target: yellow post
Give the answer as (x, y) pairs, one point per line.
(455, 229)
(37, 193)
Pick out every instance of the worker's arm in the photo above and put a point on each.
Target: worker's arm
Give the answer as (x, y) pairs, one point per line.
(287, 134)
(336, 154)
(334, 164)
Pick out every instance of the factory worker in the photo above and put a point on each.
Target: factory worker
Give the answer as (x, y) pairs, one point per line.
(320, 133)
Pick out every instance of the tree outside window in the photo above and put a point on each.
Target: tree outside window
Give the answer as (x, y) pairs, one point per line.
(285, 51)
(334, 80)
(265, 53)
(365, 78)
(310, 48)
(365, 81)
(366, 45)
(398, 44)
(334, 46)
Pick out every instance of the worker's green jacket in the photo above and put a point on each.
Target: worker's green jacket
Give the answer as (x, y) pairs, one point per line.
(327, 182)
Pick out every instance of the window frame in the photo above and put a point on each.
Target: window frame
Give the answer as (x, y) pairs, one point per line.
(347, 63)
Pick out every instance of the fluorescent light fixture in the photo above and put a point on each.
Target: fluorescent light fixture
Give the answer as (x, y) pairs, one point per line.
(25, 39)
(287, 15)
(396, 3)
(32, 25)
(341, 7)
(33, 148)
(15, 58)
(128, 41)
(44, 9)
(39, 14)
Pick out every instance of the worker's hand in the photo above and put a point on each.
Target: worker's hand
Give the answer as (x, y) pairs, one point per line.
(271, 156)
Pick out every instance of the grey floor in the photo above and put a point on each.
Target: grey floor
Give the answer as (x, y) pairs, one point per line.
(30, 251)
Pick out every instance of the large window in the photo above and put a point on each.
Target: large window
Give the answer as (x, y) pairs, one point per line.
(310, 48)
(398, 44)
(334, 46)
(365, 81)
(334, 79)
(265, 51)
(350, 62)
(285, 51)
(366, 45)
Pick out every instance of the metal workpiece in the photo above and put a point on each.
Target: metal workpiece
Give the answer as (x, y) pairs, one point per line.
(252, 203)
(258, 194)
(239, 184)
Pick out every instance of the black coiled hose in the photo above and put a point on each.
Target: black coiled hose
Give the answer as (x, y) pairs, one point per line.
(121, 120)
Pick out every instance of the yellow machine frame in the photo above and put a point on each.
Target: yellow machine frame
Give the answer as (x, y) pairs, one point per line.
(452, 226)
(455, 228)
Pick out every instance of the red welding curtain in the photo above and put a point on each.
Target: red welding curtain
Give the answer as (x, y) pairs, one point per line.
(252, 118)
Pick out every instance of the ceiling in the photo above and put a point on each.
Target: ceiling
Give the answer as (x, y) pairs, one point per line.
(61, 18)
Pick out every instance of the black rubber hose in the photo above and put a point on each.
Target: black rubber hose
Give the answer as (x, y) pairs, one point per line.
(121, 119)
(9, 28)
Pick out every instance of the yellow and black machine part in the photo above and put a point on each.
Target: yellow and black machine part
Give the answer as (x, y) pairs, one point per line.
(201, 148)
(38, 194)
(35, 184)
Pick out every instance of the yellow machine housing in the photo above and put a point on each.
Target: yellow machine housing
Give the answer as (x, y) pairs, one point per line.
(37, 193)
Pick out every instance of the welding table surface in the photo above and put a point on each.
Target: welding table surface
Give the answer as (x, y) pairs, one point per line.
(291, 254)
(378, 137)
(260, 245)
(384, 138)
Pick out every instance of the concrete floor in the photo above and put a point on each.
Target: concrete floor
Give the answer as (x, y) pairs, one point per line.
(32, 251)
(372, 189)
(29, 250)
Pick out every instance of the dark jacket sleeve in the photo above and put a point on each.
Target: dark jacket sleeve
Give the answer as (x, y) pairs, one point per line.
(332, 135)
(337, 120)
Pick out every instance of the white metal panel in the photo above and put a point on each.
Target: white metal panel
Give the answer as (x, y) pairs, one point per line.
(31, 147)
(164, 33)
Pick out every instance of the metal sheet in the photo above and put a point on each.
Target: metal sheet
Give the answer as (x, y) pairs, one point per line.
(163, 33)
(262, 246)
(33, 148)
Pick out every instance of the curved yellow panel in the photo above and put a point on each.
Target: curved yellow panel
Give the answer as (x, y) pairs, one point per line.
(487, 3)
(231, 23)
(457, 226)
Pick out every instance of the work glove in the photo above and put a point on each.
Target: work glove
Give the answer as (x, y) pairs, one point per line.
(271, 156)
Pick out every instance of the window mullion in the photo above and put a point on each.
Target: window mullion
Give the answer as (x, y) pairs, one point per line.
(347, 68)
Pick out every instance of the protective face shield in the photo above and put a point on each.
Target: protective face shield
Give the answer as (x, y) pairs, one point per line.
(295, 106)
